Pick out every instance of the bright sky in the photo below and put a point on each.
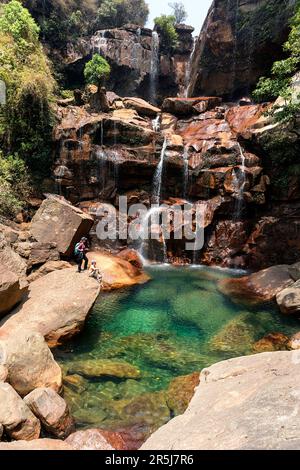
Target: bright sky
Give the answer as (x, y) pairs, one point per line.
(197, 10)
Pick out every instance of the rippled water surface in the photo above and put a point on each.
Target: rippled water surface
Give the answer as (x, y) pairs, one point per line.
(136, 342)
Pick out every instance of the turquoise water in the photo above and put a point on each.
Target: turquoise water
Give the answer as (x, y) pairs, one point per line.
(176, 324)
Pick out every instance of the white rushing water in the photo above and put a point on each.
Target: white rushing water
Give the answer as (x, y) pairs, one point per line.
(154, 67)
(156, 123)
(185, 171)
(188, 71)
(157, 180)
(240, 183)
(152, 217)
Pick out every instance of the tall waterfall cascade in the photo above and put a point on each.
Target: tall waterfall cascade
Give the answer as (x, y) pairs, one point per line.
(154, 67)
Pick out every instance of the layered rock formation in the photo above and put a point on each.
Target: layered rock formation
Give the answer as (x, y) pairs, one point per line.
(238, 44)
(140, 64)
(212, 155)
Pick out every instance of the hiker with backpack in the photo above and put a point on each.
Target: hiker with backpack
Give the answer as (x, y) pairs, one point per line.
(80, 254)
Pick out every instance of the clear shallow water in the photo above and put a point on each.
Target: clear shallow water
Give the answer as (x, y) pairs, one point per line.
(176, 324)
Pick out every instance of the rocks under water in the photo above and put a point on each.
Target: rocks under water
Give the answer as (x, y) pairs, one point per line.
(154, 341)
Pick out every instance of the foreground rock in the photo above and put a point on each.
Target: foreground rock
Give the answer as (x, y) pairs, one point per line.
(29, 361)
(15, 416)
(10, 291)
(91, 439)
(59, 222)
(239, 405)
(117, 272)
(52, 411)
(259, 287)
(57, 305)
(37, 444)
(47, 268)
(289, 300)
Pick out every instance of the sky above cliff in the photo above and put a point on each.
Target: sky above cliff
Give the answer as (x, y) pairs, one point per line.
(197, 11)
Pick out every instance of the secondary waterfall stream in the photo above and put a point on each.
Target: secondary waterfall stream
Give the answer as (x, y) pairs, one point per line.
(240, 184)
(154, 67)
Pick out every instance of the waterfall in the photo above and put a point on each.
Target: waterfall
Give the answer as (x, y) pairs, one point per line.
(146, 236)
(102, 165)
(154, 67)
(157, 180)
(185, 171)
(156, 123)
(99, 43)
(188, 71)
(240, 181)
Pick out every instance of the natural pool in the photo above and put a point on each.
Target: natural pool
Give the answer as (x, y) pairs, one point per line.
(137, 341)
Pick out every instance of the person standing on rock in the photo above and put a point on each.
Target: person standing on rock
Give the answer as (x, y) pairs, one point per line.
(80, 254)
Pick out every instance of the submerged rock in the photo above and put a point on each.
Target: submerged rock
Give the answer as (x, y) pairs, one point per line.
(272, 342)
(181, 391)
(94, 368)
(237, 336)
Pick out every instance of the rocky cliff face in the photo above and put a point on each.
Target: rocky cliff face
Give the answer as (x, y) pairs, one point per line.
(140, 65)
(218, 156)
(239, 42)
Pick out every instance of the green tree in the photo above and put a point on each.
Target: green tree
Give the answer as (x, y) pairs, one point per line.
(179, 12)
(280, 82)
(117, 13)
(165, 24)
(14, 185)
(26, 119)
(19, 24)
(97, 70)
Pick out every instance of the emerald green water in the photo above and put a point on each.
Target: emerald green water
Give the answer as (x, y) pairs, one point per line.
(174, 325)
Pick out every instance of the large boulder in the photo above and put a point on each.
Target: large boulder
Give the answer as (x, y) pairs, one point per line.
(47, 268)
(57, 305)
(10, 291)
(244, 403)
(29, 361)
(259, 287)
(141, 106)
(59, 222)
(117, 272)
(15, 416)
(51, 410)
(289, 300)
(189, 106)
(13, 262)
(36, 444)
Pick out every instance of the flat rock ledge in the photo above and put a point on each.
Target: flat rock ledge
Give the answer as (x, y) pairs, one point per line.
(244, 403)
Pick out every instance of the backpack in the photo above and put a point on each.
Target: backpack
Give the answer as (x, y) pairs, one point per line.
(76, 250)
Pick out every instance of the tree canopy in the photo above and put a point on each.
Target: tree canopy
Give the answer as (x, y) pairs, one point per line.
(97, 70)
(179, 11)
(166, 27)
(26, 118)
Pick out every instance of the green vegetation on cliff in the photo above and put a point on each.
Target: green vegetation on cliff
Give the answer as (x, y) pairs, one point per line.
(116, 13)
(166, 27)
(26, 119)
(14, 185)
(281, 81)
(97, 70)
